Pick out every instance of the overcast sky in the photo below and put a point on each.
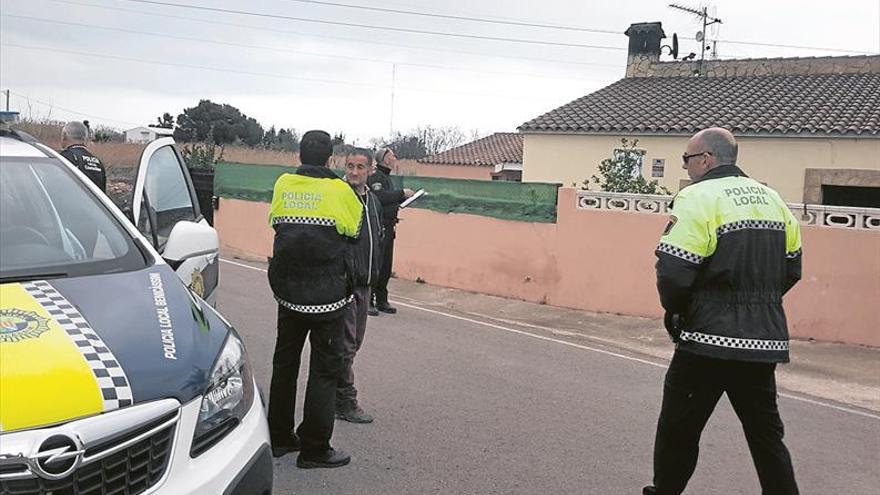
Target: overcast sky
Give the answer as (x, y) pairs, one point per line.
(124, 62)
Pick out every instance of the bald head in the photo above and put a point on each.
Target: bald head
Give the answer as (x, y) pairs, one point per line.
(707, 149)
(720, 142)
(74, 132)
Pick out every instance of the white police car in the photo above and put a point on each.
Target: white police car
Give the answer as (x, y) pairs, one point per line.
(114, 377)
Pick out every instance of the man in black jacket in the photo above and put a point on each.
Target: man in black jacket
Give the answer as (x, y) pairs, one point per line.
(315, 216)
(390, 197)
(729, 253)
(365, 260)
(74, 136)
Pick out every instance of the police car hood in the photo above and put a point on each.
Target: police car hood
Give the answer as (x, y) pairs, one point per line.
(75, 347)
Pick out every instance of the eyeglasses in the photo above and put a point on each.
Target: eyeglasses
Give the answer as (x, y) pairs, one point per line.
(685, 157)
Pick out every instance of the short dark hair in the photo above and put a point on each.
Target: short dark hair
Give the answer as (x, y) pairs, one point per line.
(361, 152)
(315, 148)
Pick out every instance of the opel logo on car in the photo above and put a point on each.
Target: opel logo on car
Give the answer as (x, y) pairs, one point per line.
(57, 457)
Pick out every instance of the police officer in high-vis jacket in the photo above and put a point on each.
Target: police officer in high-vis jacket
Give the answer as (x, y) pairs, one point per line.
(315, 216)
(728, 255)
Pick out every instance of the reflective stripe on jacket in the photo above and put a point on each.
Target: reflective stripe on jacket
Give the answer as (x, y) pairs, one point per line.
(731, 250)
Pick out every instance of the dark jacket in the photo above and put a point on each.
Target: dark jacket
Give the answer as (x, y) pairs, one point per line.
(87, 163)
(383, 187)
(366, 255)
(315, 216)
(731, 250)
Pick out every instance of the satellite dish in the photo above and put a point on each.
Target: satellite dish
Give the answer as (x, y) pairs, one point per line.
(675, 46)
(699, 36)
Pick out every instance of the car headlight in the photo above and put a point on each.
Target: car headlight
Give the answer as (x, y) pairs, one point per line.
(229, 396)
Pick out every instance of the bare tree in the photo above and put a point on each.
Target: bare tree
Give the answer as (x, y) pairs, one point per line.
(439, 139)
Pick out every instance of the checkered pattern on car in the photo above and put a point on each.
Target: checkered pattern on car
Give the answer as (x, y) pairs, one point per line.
(327, 222)
(734, 343)
(750, 224)
(315, 309)
(114, 385)
(680, 253)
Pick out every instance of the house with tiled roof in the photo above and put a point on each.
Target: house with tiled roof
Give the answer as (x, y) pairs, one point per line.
(499, 154)
(809, 127)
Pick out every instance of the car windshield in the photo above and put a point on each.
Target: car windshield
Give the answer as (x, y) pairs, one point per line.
(51, 226)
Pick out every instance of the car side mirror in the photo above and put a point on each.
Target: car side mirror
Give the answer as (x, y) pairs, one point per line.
(189, 240)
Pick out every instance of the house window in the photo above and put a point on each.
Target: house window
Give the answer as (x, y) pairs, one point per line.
(864, 197)
(842, 187)
(620, 155)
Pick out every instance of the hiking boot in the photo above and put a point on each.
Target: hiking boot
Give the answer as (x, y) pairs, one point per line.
(386, 308)
(373, 311)
(285, 446)
(330, 459)
(353, 413)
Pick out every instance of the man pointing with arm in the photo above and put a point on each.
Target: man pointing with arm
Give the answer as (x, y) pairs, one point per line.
(390, 197)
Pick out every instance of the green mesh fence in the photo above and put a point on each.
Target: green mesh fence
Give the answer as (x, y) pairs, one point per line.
(528, 202)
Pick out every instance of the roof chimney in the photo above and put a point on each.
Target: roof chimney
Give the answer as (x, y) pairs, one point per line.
(644, 47)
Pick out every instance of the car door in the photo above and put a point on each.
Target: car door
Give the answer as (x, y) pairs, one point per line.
(163, 196)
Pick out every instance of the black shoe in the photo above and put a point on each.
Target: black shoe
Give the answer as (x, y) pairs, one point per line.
(282, 447)
(353, 413)
(330, 459)
(386, 308)
(373, 311)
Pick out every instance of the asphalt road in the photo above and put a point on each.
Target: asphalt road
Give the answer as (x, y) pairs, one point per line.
(464, 406)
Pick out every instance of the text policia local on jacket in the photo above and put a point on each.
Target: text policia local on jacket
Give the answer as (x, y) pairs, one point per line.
(731, 250)
(315, 216)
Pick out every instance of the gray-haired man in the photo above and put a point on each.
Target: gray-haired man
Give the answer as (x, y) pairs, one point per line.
(366, 260)
(74, 136)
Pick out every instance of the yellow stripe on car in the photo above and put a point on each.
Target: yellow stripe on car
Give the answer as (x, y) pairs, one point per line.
(44, 377)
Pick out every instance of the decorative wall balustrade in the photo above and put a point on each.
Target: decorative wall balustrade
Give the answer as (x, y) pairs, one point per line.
(814, 215)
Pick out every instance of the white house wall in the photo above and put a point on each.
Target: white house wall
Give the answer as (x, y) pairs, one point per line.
(778, 161)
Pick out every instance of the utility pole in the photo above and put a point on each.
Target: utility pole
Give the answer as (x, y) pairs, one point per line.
(701, 36)
(7, 100)
(393, 80)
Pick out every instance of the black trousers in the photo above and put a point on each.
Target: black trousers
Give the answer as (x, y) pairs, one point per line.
(691, 390)
(380, 287)
(325, 363)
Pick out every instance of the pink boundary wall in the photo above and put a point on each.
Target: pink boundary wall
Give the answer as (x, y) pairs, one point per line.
(597, 261)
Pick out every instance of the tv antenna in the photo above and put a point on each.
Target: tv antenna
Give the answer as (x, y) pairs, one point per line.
(708, 20)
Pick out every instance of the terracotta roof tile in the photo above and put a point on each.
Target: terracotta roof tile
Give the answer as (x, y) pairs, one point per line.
(501, 147)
